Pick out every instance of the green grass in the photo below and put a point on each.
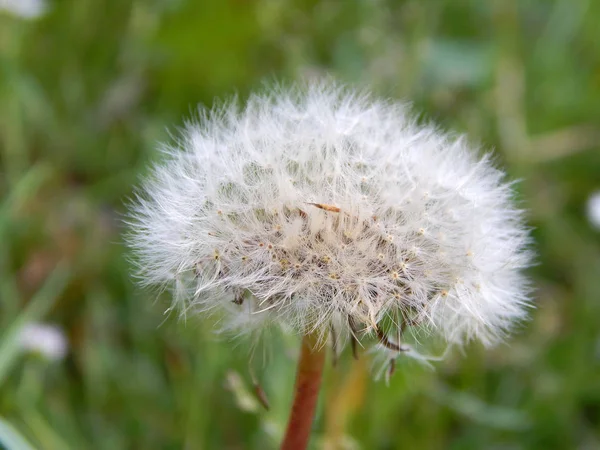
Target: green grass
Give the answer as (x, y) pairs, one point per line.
(87, 91)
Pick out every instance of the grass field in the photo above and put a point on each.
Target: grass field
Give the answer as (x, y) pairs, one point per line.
(88, 89)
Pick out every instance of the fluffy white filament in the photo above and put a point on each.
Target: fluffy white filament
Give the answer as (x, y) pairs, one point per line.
(321, 208)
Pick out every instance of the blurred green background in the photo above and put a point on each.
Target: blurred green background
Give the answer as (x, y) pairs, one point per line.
(88, 89)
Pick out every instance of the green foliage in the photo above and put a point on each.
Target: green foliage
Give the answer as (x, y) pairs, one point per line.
(88, 90)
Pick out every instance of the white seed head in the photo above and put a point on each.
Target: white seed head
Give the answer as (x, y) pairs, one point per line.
(26, 9)
(593, 209)
(47, 340)
(321, 208)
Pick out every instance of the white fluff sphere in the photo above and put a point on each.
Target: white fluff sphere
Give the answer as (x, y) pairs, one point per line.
(25, 9)
(48, 340)
(593, 209)
(319, 207)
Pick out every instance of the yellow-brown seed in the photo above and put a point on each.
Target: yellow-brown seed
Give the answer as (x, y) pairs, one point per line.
(325, 207)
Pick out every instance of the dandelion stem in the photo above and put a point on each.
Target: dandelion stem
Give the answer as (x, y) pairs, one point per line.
(308, 381)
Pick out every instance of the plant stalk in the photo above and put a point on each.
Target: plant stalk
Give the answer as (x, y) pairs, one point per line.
(306, 394)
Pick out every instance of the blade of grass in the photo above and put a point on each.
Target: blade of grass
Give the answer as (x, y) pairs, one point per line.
(11, 439)
(24, 189)
(43, 432)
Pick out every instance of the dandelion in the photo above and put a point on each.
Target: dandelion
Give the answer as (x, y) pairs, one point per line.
(593, 209)
(326, 211)
(46, 340)
(26, 9)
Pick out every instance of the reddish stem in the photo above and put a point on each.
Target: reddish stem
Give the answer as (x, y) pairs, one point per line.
(308, 381)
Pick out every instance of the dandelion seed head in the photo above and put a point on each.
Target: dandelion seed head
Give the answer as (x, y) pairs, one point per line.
(318, 206)
(593, 209)
(25, 9)
(46, 340)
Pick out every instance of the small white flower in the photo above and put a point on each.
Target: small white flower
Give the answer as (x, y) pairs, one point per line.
(593, 209)
(322, 209)
(47, 340)
(26, 9)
